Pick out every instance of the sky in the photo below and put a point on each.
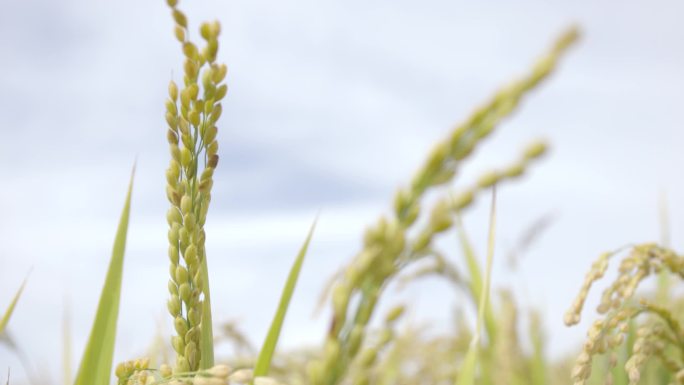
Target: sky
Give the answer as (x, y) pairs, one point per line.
(332, 106)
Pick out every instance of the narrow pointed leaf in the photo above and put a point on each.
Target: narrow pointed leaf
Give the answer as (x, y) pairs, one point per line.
(10, 309)
(263, 363)
(475, 275)
(96, 364)
(467, 374)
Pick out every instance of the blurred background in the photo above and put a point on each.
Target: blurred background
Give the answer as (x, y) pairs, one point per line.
(332, 105)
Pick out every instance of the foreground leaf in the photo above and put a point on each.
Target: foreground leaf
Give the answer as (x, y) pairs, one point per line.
(263, 363)
(96, 364)
(10, 309)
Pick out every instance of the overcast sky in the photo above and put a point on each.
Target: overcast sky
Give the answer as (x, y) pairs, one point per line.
(332, 105)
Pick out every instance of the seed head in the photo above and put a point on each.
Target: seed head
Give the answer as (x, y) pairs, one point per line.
(241, 376)
(180, 18)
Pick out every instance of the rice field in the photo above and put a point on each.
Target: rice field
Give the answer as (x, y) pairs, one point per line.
(635, 335)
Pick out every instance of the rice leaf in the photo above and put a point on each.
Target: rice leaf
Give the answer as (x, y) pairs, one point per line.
(475, 275)
(263, 363)
(96, 364)
(466, 375)
(10, 309)
(207, 336)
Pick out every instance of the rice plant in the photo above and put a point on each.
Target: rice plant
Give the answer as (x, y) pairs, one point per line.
(641, 335)
(351, 353)
(635, 341)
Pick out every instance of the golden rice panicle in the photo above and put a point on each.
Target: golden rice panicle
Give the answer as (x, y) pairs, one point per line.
(642, 261)
(134, 372)
(165, 371)
(216, 375)
(241, 376)
(437, 265)
(597, 271)
(367, 363)
(649, 343)
(442, 164)
(662, 331)
(192, 112)
(604, 336)
(442, 214)
(386, 250)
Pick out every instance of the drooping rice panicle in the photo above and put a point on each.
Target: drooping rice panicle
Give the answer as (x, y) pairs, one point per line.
(386, 249)
(661, 332)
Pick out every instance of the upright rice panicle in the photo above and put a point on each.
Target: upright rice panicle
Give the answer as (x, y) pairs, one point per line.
(191, 113)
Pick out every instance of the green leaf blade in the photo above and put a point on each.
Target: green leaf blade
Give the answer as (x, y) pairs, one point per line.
(96, 364)
(10, 309)
(263, 363)
(468, 371)
(475, 284)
